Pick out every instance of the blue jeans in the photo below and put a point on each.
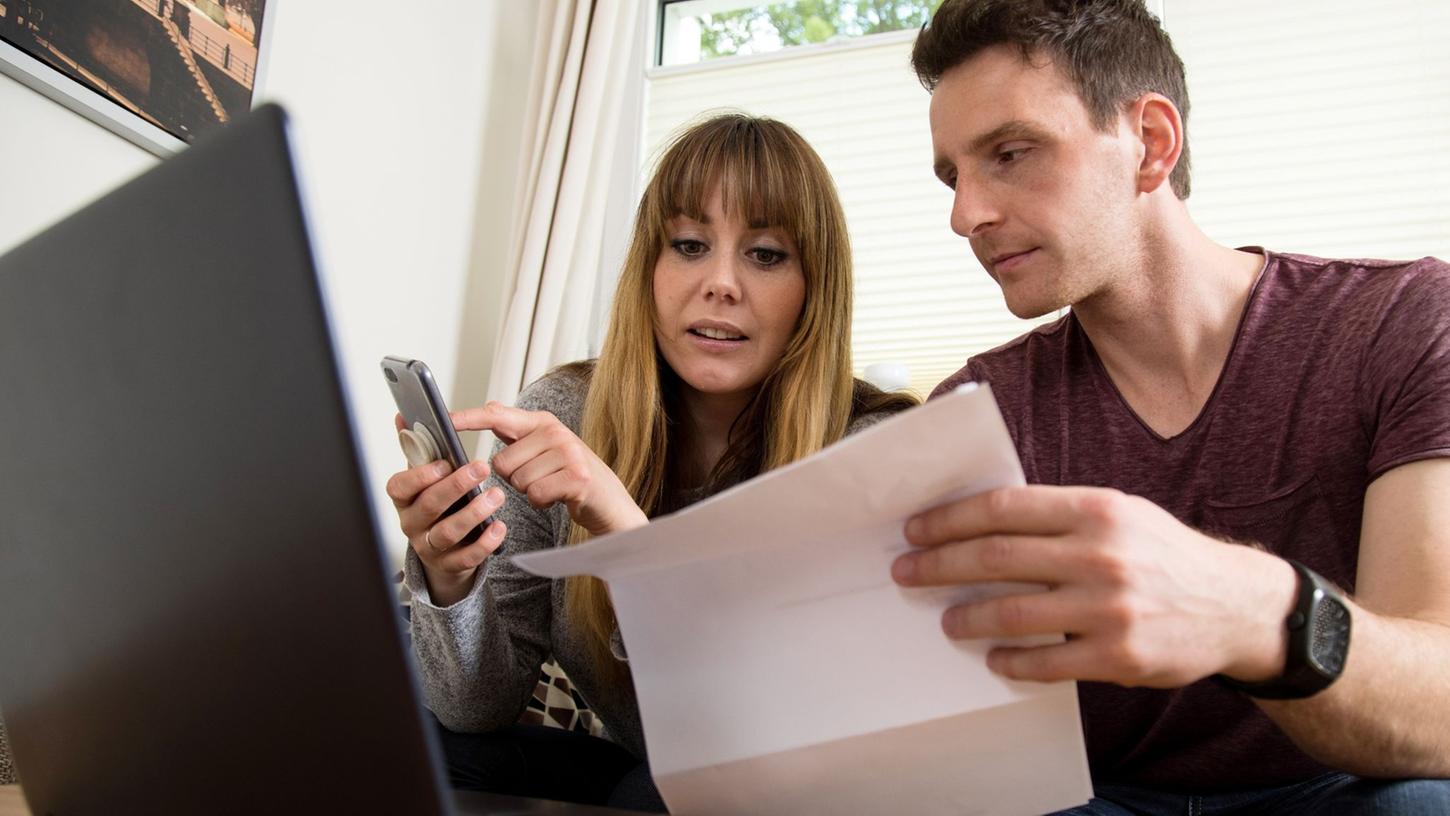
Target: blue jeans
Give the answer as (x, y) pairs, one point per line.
(1338, 794)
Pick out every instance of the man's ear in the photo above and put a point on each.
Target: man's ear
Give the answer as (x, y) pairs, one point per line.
(1156, 123)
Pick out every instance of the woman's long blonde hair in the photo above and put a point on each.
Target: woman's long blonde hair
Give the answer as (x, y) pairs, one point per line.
(767, 174)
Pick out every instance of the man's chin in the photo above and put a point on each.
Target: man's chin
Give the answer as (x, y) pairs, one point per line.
(1032, 308)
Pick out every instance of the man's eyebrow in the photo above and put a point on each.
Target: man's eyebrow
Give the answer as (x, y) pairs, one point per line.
(1008, 131)
(1005, 132)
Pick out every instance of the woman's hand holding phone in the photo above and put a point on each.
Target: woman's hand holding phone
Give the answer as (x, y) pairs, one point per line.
(422, 495)
(548, 463)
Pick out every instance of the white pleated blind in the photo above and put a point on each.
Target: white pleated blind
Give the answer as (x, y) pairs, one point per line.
(1317, 126)
(922, 299)
(1320, 126)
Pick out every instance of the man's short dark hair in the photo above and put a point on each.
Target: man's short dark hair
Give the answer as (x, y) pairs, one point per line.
(1113, 51)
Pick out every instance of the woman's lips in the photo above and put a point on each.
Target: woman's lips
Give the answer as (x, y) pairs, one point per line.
(713, 345)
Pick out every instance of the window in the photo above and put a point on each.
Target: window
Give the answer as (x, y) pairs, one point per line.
(697, 30)
(1317, 126)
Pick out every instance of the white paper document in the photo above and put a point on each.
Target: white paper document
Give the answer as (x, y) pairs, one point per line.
(780, 670)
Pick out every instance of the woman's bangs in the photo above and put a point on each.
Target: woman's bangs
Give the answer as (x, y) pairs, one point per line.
(759, 182)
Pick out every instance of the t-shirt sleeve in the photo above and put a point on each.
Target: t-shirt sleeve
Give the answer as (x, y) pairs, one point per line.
(1406, 371)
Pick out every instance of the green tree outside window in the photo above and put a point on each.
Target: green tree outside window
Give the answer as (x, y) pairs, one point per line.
(808, 21)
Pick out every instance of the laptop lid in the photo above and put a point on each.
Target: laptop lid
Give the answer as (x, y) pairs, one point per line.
(195, 613)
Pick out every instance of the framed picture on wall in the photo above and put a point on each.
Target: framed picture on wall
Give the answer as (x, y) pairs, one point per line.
(157, 72)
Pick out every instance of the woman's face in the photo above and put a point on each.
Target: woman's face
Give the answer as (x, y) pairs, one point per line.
(728, 296)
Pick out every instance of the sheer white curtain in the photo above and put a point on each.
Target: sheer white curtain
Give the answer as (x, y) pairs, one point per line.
(585, 62)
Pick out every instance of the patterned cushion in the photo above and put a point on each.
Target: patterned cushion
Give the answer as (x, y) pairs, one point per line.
(7, 769)
(557, 704)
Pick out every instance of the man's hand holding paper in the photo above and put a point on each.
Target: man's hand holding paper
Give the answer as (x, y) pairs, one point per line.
(1126, 581)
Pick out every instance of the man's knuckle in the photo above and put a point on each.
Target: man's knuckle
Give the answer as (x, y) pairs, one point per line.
(994, 553)
(998, 503)
(1102, 505)
(1012, 615)
(1105, 561)
(1131, 660)
(1120, 613)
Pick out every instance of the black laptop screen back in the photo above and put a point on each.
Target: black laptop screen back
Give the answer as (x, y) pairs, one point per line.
(194, 611)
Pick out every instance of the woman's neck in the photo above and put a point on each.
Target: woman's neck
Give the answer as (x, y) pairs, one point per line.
(708, 420)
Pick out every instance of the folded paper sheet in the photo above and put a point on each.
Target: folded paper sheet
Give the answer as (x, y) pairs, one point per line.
(780, 670)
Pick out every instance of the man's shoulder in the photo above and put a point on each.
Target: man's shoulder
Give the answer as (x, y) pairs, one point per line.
(1356, 276)
(1008, 362)
(1356, 299)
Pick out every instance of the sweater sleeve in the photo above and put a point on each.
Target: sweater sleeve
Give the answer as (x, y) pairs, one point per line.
(479, 659)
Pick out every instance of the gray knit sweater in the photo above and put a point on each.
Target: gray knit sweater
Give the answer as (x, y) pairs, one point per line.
(480, 657)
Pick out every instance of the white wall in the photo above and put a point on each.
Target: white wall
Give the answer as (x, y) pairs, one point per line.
(55, 162)
(396, 110)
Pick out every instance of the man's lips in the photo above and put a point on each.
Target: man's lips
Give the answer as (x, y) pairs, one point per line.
(1009, 260)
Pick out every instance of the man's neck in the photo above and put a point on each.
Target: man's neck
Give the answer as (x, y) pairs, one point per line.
(1164, 328)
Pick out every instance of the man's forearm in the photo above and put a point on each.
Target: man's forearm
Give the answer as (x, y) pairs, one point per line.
(1386, 716)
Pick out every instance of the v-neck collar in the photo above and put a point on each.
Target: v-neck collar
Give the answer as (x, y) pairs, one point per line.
(1106, 380)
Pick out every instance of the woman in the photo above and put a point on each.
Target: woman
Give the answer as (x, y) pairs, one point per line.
(727, 354)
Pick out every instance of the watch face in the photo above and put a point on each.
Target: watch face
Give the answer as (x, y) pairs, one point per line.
(1329, 636)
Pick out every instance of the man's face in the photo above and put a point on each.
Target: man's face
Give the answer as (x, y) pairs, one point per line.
(1045, 198)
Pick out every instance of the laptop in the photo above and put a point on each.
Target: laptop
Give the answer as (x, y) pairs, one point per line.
(196, 615)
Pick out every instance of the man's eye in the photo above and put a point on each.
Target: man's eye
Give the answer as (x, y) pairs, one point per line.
(765, 256)
(688, 247)
(1010, 156)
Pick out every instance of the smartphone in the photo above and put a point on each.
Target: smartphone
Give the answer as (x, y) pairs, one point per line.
(428, 432)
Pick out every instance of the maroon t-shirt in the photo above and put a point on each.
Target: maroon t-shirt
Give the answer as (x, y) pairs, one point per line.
(1340, 371)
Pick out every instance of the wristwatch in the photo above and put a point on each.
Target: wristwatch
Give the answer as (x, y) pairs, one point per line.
(1318, 642)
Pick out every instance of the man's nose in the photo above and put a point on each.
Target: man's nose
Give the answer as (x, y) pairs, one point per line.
(972, 211)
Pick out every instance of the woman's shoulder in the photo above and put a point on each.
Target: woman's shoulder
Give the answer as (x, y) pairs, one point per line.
(561, 392)
(870, 405)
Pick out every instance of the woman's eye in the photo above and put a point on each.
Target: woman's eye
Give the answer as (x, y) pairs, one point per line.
(765, 256)
(688, 247)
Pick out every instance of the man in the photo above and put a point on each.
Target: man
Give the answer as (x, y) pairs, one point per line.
(1203, 418)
